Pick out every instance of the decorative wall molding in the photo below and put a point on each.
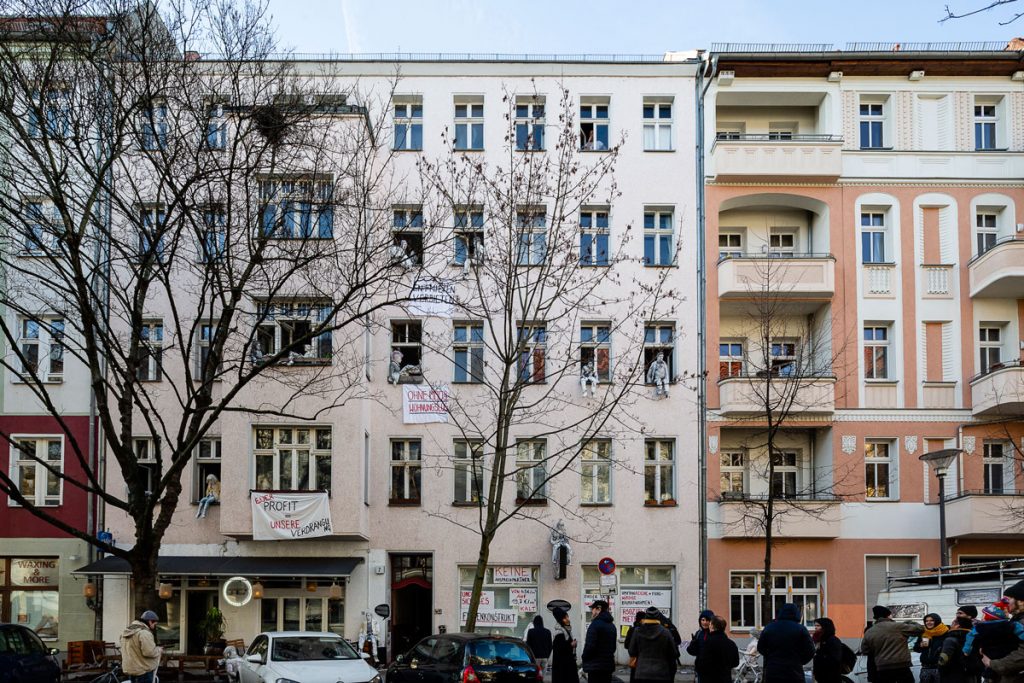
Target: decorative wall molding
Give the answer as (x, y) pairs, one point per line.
(969, 443)
(910, 444)
(713, 444)
(849, 443)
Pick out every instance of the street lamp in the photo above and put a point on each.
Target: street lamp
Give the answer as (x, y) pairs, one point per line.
(940, 462)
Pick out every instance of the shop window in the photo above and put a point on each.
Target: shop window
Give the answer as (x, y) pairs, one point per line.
(293, 459)
(514, 595)
(531, 471)
(286, 327)
(207, 462)
(659, 472)
(29, 596)
(876, 569)
(37, 466)
(640, 587)
(295, 605)
(805, 590)
(406, 471)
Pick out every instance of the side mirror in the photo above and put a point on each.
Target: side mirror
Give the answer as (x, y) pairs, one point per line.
(399, 659)
(54, 651)
(254, 659)
(364, 655)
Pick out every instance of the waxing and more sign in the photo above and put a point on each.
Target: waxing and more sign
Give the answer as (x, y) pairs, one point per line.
(290, 516)
(422, 403)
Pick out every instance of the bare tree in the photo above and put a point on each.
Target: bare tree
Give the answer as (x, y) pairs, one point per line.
(181, 238)
(993, 4)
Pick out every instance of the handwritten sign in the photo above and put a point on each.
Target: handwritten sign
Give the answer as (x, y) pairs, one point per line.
(638, 600)
(35, 572)
(494, 618)
(422, 403)
(433, 296)
(486, 599)
(513, 575)
(290, 516)
(523, 599)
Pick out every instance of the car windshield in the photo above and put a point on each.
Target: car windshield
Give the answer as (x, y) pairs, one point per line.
(490, 652)
(310, 648)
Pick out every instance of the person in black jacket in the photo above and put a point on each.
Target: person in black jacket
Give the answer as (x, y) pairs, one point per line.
(700, 636)
(563, 650)
(929, 646)
(538, 638)
(598, 657)
(654, 648)
(828, 657)
(629, 640)
(953, 665)
(786, 646)
(719, 655)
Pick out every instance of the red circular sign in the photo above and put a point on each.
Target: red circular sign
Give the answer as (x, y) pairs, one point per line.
(606, 565)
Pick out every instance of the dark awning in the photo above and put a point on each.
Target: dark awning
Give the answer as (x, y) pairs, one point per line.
(185, 565)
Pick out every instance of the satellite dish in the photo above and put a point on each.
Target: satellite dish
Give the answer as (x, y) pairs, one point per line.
(561, 604)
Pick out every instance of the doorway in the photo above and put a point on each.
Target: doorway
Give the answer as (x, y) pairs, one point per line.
(412, 600)
(197, 604)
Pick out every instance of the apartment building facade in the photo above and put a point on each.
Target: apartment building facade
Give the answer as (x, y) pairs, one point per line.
(863, 209)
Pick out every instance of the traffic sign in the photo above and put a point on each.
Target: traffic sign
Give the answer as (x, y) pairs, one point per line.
(606, 565)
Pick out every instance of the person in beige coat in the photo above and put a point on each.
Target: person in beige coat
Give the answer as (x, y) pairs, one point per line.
(140, 655)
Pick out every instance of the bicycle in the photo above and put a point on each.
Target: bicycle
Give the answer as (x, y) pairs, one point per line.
(115, 675)
(749, 670)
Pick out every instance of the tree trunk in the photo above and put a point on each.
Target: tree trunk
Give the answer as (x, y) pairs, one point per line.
(478, 581)
(144, 585)
(766, 596)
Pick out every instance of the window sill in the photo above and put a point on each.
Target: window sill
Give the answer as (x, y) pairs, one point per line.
(661, 265)
(471, 383)
(596, 505)
(881, 500)
(33, 254)
(881, 382)
(196, 502)
(532, 502)
(466, 504)
(48, 380)
(469, 149)
(406, 149)
(295, 363)
(594, 151)
(403, 503)
(595, 265)
(665, 504)
(659, 151)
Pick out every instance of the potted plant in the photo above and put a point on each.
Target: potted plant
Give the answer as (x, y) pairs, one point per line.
(211, 626)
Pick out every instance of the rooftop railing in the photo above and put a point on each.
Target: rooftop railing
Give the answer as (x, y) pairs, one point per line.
(771, 47)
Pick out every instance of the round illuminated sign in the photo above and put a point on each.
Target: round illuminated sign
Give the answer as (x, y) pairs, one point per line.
(237, 591)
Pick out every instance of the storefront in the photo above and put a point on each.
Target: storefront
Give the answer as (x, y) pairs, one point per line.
(508, 601)
(636, 588)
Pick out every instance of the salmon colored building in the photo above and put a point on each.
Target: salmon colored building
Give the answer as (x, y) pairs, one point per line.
(865, 279)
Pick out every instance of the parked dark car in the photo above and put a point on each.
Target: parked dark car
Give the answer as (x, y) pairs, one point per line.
(466, 658)
(24, 658)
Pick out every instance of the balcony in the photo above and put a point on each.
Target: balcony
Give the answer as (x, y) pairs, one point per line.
(804, 280)
(1000, 391)
(984, 514)
(807, 158)
(816, 515)
(999, 272)
(743, 395)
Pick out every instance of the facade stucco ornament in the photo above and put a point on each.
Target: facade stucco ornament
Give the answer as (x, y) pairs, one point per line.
(969, 443)
(849, 443)
(910, 443)
(713, 444)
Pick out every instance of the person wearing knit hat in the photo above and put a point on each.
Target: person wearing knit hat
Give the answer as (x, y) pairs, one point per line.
(1009, 668)
(880, 612)
(886, 644)
(969, 611)
(563, 649)
(1016, 591)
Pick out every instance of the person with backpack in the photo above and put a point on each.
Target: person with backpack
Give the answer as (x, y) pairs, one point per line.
(538, 638)
(952, 663)
(828, 653)
(929, 646)
(786, 646)
(652, 650)
(719, 656)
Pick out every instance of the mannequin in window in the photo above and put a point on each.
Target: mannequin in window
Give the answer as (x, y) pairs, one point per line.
(588, 376)
(395, 367)
(475, 258)
(658, 375)
(400, 255)
(212, 495)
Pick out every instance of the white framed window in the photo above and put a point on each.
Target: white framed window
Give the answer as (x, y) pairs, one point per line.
(990, 348)
(594, 124)
(730, 359)
(154, 126)
(37, 465)
(292, 458)
(468, 352)
(876, 352)
(296, 208)
(657, 115)
(213, 243)
(469, 123)
(596, 472)
(782, 242)
(287, 326)
(660, 338)
(49, 113)
(783, 357)
(147, 455)
(408, 123)
(879, 470)
(730, 245)
(299, 613)
(41, 341)
(406, 471)
(407, 232)
(532, 352)
(531, 470)
(469, 235)
(876, 570)
(659, 472)
(469, 471)
(805, 589)
(594, 235)
(207, 462)
(407, 351)
(150, 351)
(529, 124)
(659, 248)
(872, 237)
(151, 233)
(986, 123)
(733, 473)
(785, 474)
(872, 115)
(994, 467)
(596, 348)
(41, 222)
(216, 125)
(781, 130)
(986, 230)
(532, 235)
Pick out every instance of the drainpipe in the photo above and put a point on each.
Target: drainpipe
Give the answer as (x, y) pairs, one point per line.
(706, 75)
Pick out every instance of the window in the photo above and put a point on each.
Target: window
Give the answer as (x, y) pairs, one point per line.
(154, 127)
(781, 131)
(872, 124)
(985, 123)
(151, 234)
(594, 237)
(406, 352)
(733, 473)
(296, 208)
(993, 464)
(659, 472)
(42, 348)
(877, 465)
(406, 467)
(409, 124)
(657, 124)
(730, 245)
(147, 455)
(532, 348)
(785, 474)
(805, 590)
(531, 471)
(596, 472)
(730, 359)
(596, 348)
(293, 458)
(49, 113)
(469, 471)
(216, 126)
(298, 613)
(876, 352)
(469, 235)
(529, 124)
(660, 338)
(206, 463)
(532, 233)
(990, 348)
(203, 342)
(287, 327)
(468, 351)
(37, 466)
(872, 237)
(653, 585)
(407, 232)
(658, 247)
(150, 352)
(41, 224)
(783, 358)
(29, 595)
(876, 570)
(213, 245)
(594, 124)
(469, 124)
(987, 230)
(782, 243)
(512, 587)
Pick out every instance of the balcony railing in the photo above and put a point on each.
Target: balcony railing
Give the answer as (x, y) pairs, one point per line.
(805, 277)
(806, 392)
(813, 156)
(807, 497)
(937, 278)
(967, 493)
(727, 255)
(995, 367)
(999, 390)
(878, 278)
(777, 137)
(998, 272)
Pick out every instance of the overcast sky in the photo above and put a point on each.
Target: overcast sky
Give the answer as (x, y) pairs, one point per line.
(619, 26)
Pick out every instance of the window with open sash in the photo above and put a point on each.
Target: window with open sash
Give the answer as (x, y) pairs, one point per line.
(147, 456)
(596, 349)
(207, 462)
(660, 339)
(407, 350)
(594, 124)
(288, 327)
(293, 458)
(407, 233)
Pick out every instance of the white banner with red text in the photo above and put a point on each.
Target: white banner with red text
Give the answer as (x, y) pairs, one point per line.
(291, 515)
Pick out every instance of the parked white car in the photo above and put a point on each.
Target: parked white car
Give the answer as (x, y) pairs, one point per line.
(304, 657)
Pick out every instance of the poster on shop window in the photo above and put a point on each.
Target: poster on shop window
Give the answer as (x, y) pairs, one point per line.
(290, 516)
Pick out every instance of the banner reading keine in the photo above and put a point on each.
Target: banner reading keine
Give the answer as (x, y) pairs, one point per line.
(289, 516)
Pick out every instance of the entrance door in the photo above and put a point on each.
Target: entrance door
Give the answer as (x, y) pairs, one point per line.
(412, 601)
(197, 604)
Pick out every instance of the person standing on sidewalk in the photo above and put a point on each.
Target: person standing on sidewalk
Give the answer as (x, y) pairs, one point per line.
(828, 657)
(700, 636)
(929, 646)
(953, 664)
(563, 650)
(598, 657)
(786, 646)
(886, 643)
(1010, 668)
(719, 655)
(539, 639)
(140, 655)
(652, 650)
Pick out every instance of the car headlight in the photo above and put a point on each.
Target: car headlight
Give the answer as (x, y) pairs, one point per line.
(287, 680)
(376, 679)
